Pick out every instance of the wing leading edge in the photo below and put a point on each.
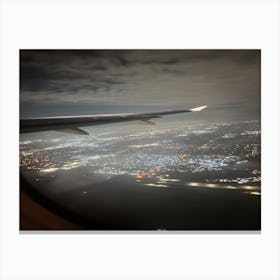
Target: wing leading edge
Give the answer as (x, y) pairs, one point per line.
(71, 124)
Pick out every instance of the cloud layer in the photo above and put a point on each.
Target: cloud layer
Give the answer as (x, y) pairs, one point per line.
(219, 78)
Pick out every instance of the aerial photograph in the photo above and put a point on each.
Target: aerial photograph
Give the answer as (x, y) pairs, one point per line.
(140, 140)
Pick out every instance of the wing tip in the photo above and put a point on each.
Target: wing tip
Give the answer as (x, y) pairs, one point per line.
(198, 109)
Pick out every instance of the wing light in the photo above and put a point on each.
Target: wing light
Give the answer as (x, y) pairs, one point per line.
(198, 109)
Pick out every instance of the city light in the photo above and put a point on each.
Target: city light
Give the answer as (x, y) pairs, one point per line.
(159, 158)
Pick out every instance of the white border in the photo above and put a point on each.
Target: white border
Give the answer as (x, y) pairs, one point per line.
(155, 24)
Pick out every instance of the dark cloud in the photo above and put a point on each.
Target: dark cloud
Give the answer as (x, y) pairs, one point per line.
(228, 80)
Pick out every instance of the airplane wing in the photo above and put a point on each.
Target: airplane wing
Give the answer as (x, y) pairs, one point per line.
(71, 124)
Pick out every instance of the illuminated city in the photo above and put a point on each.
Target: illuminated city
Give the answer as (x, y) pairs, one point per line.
(165, 157)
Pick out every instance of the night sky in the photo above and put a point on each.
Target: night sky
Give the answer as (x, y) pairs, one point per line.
(71, 82)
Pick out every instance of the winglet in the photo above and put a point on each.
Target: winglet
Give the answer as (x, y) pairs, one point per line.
(198, 109)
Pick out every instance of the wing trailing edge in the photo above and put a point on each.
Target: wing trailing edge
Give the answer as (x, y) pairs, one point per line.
(73, 130)
(145, 122)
